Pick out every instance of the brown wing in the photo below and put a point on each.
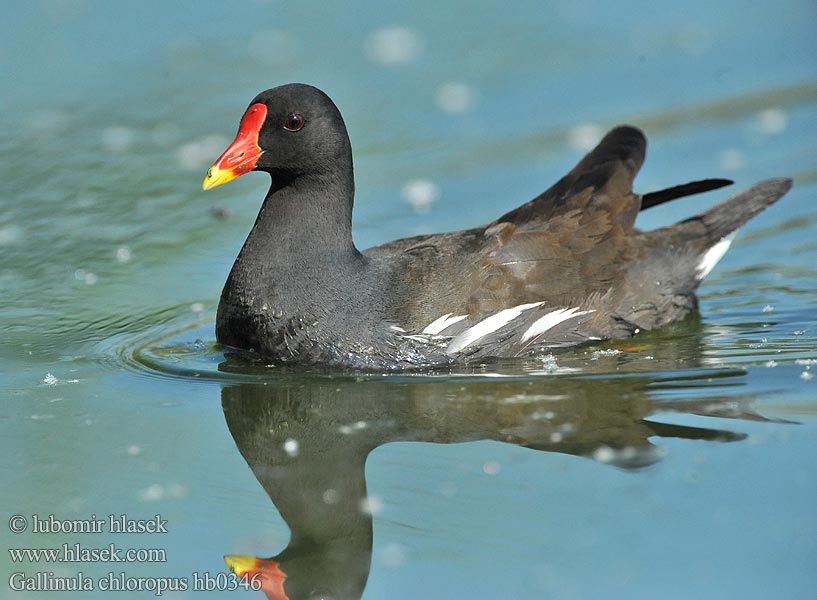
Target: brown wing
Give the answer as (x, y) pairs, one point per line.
(560, 247)
(602, 180)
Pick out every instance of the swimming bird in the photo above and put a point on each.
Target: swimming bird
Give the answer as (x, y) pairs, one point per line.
(564, 269)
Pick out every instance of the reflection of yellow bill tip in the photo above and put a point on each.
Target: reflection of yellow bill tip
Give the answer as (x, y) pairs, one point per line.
(240, 564)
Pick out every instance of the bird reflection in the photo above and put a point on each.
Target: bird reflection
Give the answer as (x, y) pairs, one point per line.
(306, 439)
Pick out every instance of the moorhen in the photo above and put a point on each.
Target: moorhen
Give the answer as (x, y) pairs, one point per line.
(567, 268)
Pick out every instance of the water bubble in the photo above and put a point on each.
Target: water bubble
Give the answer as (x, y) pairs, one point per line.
(152, 493)
(133, 450)
(123, 254)
(731, 160)
(395, 45)
(291, 447)
(772, 121)
(456, 97)
(10, 234)
(491, 467)
(371, 505)
(806, 376)
(393, 556)
(47, 122)
(201, 152)
(197, 307)
(604, 454)
(117, 138)
(176, 490)
(420, 194)
(449, 489)
(584, 136)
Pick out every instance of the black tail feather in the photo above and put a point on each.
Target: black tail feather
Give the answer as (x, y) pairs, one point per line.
(679, 191)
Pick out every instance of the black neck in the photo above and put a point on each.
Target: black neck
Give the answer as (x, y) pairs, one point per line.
(305, 221)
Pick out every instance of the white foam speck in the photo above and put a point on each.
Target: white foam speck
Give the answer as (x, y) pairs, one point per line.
(117, 138)
(584, 136)
(133, 450)
(604, 454)
(491, 467)
(50, 379)
(47, 122)
(449, 489)
(456, 97)
(176, 490)
(197, 307)
(597, 354)
(123, 254)
(806, 376)
(395, 45)
(152, 493)
(291, 447)
(372, 505)
(731, 160)
(772, 121)
(420, 194)
(330, 496)
(10, 234)
(768, 309)
(393, 556)
(201, 152)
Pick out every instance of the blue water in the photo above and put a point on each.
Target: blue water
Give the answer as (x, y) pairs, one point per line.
(679, 465)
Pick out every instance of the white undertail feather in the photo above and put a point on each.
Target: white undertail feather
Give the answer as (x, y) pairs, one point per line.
(713, 255)
(441, 323)
(550, 320)
(486, 326)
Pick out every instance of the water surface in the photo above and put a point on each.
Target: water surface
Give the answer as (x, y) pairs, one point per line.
(678, 464)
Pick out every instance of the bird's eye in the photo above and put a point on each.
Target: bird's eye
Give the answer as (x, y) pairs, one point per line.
(294, 122)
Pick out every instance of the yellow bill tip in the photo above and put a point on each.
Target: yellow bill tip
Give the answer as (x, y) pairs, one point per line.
(216, 177)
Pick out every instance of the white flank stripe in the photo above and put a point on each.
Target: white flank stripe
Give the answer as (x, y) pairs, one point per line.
(713, 255)
(441, 323)
(551, 320)
(486, 326)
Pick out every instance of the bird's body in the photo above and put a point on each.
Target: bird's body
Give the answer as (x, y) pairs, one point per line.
(564, 269)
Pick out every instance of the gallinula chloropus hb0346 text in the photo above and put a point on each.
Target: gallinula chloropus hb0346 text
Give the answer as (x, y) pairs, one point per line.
(564, 269)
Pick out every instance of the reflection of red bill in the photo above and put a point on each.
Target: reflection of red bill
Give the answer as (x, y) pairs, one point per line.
(265, 571)
(242, 155)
